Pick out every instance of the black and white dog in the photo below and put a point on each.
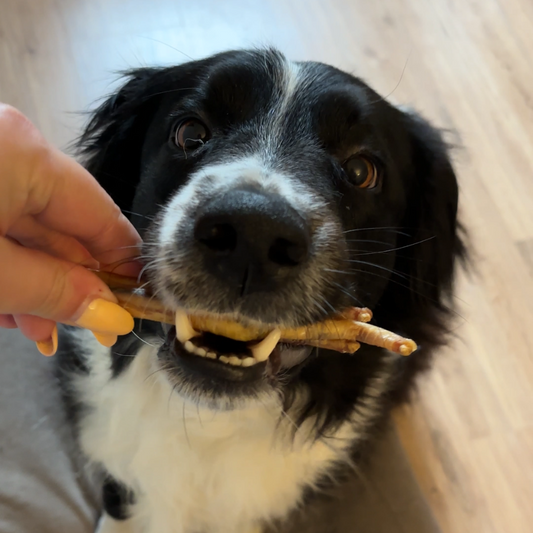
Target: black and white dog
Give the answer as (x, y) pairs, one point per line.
(277, 193)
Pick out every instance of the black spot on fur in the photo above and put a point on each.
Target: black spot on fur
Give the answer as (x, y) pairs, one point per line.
(117, 499)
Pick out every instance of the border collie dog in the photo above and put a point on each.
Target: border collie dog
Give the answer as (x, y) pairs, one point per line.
(271, 192)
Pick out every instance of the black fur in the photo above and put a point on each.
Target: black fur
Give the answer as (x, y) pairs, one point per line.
(400, 243)
(116, 499)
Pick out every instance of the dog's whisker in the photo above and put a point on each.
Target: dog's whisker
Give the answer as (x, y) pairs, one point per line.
(397, 84)
(142, 340)
(370, 241)
(343, 290)
(147, 217)
(378, 228)
(328, 304)
(399, 247)
(160, 369)
(169, 46)
(373, 265)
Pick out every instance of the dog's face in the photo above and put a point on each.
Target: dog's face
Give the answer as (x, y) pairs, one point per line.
(278, 193)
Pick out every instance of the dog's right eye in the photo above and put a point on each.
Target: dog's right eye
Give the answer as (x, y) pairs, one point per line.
(191, 134)
(361, 172)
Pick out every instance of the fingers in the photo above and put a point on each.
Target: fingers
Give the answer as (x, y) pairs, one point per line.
(31, 234)
(76, 205)
(36, 283)
(40, 181)
(35, 328)
(7, 322)
(40, 330)
(54, 217)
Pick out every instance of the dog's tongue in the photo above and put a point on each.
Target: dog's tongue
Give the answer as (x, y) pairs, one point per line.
(286, 356)
(293, 355)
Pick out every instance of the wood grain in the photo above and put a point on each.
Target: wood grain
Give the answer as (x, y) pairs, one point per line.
(467, 66)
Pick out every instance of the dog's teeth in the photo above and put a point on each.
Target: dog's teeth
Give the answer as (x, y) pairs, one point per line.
(211, 355)
(189, 346)
(184, 330)
(224, 359)
(200, 351)
(248, 361)
(262, 350)
(234, 360)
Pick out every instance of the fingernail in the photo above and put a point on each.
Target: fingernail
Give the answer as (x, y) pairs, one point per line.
(105, 339)
(49, 346)
(104, 316)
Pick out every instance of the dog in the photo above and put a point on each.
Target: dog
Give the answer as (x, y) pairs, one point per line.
(271, 192)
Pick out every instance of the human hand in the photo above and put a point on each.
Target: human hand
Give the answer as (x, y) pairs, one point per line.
(56, 220)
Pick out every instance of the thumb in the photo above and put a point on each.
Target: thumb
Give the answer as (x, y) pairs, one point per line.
(35, 283)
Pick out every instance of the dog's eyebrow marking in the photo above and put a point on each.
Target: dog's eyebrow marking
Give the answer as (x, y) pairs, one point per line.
(288, 79)
(291, 78)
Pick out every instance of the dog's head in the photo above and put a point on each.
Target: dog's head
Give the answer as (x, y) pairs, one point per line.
(279, 193)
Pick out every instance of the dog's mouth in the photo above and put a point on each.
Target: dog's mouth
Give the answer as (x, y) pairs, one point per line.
(206, 350)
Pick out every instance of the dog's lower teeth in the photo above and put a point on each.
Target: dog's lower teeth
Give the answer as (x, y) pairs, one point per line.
(260, 351)
(226, 359)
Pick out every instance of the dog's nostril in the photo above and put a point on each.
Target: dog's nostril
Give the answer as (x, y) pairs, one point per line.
(218, 237)
(251, 241)
(286, 253)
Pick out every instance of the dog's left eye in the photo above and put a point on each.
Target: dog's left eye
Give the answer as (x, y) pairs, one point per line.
(361, 172)
(191, 134)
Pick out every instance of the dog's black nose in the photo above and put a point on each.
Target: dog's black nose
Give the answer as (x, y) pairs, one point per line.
(252, 240)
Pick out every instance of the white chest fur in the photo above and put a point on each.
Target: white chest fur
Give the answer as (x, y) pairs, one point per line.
(194, 470)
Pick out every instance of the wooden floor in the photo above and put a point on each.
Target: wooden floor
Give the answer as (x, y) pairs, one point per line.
(465, 64)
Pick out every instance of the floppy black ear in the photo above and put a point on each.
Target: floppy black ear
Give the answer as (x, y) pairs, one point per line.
(111, 143)
(421, 294)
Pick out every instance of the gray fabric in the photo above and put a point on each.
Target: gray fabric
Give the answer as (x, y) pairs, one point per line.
(42, 490)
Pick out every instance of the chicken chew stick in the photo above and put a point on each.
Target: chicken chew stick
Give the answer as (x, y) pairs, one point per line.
(342, 333)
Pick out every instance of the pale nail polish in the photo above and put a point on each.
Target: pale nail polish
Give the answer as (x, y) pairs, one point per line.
(104, 316)
(49, 346)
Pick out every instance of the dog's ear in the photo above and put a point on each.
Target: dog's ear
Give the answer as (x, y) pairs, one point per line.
(433, 243)
(111, 142)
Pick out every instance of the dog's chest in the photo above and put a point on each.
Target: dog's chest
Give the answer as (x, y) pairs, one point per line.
(194, 470)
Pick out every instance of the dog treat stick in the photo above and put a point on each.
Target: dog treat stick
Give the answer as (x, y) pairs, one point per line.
(342, 333)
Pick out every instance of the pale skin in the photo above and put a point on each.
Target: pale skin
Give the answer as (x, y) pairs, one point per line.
(55, 223)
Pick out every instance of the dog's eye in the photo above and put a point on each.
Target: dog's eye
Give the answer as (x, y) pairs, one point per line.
(361, 172)
(191, 134)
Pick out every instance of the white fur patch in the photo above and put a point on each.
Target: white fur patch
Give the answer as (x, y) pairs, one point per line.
(251, 170)
(196, 470)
